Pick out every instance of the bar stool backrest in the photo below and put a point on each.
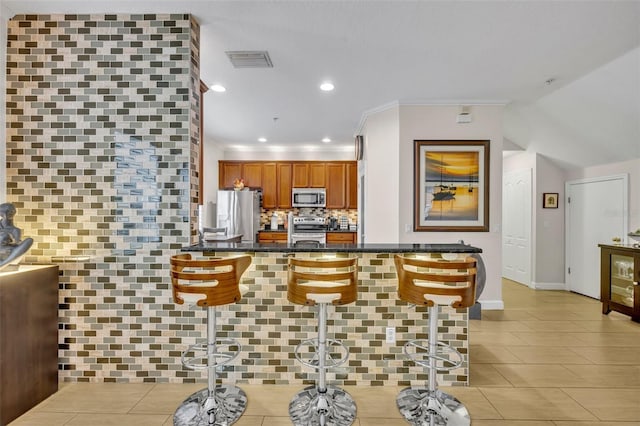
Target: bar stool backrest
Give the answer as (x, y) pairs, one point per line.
(218, 279)
(322, 276)
(427, 281)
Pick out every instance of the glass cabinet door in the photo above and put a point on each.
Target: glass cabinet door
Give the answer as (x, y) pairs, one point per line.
(622, 274)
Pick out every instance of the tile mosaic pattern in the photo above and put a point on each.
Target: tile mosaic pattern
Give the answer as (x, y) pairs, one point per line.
(269, 328)
(101, 148)
(102, 137)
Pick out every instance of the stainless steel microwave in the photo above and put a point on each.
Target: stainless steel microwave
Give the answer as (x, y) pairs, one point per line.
(309, 197)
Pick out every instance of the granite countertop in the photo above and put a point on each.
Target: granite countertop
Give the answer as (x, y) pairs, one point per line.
(337, 248)
(222, 237)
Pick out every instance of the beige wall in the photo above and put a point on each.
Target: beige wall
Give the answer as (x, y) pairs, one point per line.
(390, 135)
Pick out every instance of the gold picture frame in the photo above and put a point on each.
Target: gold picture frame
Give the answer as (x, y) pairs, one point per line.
(550, 200)
(451, 185)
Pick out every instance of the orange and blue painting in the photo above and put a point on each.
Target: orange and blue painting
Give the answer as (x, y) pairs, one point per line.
(451, 185)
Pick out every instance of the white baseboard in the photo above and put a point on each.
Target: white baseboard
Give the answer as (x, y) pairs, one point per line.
(492, 305)
(547, 286)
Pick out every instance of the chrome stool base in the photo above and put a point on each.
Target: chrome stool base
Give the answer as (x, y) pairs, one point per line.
(231, 402)
(305, 407)
(421, 407)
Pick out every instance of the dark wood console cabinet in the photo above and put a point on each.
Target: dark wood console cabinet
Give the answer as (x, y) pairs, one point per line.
(619, 277)
(28, 338)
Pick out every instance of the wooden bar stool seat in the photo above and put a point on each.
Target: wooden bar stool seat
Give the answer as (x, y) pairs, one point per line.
(209, 283)
(320, 282)
(434, 283)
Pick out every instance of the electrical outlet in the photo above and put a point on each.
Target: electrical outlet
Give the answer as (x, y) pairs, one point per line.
(391, 334)
(407, 227)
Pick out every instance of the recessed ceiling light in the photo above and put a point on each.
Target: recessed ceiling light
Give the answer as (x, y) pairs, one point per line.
(218, 88)
(326, 140)
(326, 87)
(262, 139)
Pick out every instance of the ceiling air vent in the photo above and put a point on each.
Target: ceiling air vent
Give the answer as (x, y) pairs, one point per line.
(249, 58)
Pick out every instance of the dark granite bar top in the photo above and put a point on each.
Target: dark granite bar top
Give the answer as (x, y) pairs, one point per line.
(336, 248)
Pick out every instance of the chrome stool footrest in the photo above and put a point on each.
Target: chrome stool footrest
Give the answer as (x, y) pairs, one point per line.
(335, 407)
(230, 350)
(224, 409)
(334, 348)
(446, 357)
(419, 406)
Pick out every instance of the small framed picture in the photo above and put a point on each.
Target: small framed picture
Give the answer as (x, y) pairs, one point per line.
(550, 200)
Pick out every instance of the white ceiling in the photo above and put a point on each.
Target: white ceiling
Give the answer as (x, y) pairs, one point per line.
(379, 52)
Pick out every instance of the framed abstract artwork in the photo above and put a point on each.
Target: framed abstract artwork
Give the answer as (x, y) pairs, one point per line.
(451, 185)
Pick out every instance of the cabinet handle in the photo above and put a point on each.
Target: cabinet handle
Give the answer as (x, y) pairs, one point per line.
(635, 283)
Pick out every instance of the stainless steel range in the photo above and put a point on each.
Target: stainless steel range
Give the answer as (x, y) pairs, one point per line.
(308, 230)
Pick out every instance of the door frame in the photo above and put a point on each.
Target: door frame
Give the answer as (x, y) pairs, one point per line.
(624, 177)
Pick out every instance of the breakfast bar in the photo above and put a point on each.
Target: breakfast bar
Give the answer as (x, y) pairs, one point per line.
(269, 327)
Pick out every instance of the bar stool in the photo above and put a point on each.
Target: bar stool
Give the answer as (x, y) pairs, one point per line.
(209, 283)
(434, 283)
(319, 282)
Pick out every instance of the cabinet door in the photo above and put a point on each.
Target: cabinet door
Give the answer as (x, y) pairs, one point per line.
(341, 237)
(269, 186)
(227, 173)
(336, 185)
(317, 175)
(284, 185)
(352, 185)
(252, 175)
(300, 175)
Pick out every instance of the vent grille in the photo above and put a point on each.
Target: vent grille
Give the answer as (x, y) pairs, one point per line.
(249, 58)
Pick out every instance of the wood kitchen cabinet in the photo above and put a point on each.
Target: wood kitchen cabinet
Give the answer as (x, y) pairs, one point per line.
(269, 186)
(284, 173)
(252, 174)
(277, 178)
(227, 173)
(336, 185)
(272, 237)
(619, 278)
(352, 185)
(341, 237)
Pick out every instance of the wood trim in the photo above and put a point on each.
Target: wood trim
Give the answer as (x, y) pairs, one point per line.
(203, 89)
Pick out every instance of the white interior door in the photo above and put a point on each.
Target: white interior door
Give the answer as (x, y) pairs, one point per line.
(516, 226)
(596, 211)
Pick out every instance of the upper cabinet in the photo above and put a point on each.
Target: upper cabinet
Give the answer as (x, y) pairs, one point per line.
(277, 178)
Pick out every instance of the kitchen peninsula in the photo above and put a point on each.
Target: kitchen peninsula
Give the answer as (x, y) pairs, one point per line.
(269, 327)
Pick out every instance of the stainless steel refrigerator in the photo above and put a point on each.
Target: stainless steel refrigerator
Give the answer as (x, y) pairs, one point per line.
(239, 212)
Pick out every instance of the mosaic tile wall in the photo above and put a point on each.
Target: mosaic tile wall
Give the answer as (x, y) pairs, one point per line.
(269, 328)
(102, 114)
(101, 156)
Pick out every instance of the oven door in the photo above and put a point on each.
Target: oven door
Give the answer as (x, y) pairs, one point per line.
(309, 237)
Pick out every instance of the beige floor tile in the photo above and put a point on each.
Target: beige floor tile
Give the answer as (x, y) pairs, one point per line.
(110, 419)
(609, 404)
(483, 354)
(507, 315)
(368, 421)
(482, 325)
(34, 418)
(536, 404)
(547, 355)
(476, 403)
(511, 423)
(260, 420)
(497, 338)
(164, 398)
(605, 355)
(376, 401)
(564, 326)
(609, 376)
(609, 339)
(269, 400)
(486, 375)
(96, 398)
(571, 423)
(550, 338)
(540, 375)
(608, 324)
